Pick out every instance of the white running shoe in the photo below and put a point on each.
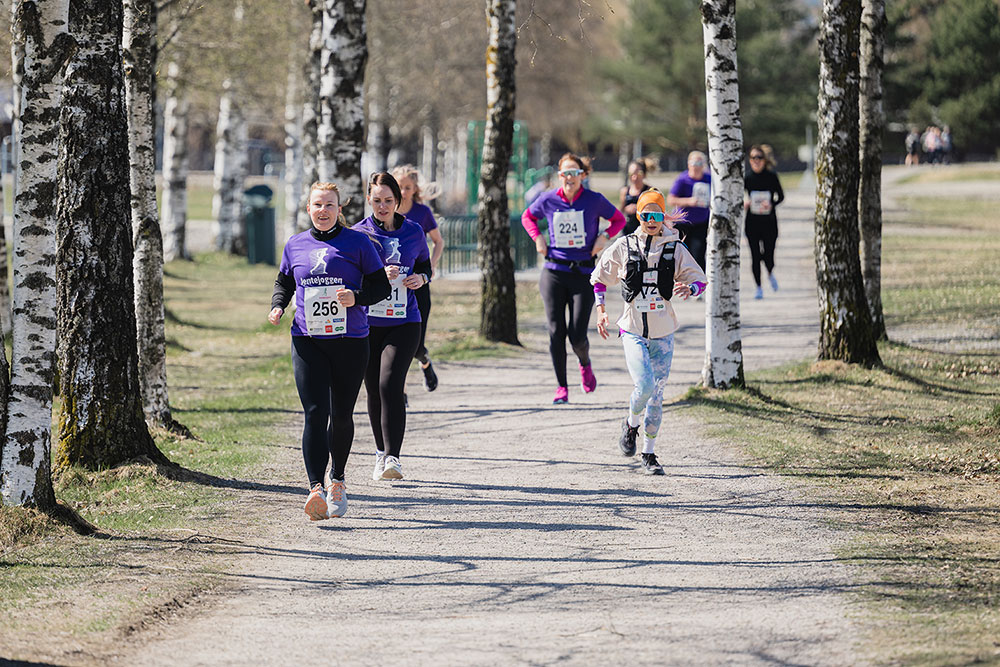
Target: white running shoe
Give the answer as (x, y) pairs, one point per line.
(336, 499)
(316, 503)
(379, 465)
(393, 468)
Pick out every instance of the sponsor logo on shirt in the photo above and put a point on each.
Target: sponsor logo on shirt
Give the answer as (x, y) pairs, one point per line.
(318, 259)
(319, 281)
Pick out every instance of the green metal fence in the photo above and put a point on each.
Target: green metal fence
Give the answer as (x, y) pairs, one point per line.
(461, 244)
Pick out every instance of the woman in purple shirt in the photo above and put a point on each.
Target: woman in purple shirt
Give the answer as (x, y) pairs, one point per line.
(692, 194)
(573, 215)
(331, 272)
(394, 322)
(413, 208)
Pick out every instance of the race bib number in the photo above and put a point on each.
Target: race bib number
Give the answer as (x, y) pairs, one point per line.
(649, 299)
(568, 228)
(393, 306)
(702, 192)
(324, 315)
(760, 202)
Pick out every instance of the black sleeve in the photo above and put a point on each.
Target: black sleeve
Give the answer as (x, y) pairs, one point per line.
(284, 290)
(777, 188)
(423, 267)
(374, 288)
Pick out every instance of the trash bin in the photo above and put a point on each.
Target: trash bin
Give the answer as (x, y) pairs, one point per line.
(258, 214)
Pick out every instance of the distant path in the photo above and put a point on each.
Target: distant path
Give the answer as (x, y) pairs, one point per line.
(521, 536)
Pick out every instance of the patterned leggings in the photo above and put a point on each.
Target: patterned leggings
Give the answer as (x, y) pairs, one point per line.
(648, 361)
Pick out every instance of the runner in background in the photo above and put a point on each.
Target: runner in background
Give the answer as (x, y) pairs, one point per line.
(394, 323)
(331, 272)
(636, 185)
(573, 216)
(413, 208)
(763, 194)
(692, 193)
(651, 264)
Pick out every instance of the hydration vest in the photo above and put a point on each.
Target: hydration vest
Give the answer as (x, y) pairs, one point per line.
(637, 265)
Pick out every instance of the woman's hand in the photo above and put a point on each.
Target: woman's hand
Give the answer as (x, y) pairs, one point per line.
(345, 297)
(540, 246)
(275, 315)
(602, 322)
(392, 271)
(414, 281)
(683, 291)
(600, 243)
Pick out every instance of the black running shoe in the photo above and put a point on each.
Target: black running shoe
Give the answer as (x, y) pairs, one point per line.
(627, 442)
(430, 377)
(650, 465)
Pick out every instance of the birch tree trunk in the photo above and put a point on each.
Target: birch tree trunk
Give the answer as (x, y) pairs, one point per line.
(139, 52)
(230, 146)
(871, 127)
(845, 322)
(723, 340)
(4, 270)
(173, 211)
(293, 149)
(498, 314)
(311, 111)
(101, 423)
(341, 131)
(40, 34)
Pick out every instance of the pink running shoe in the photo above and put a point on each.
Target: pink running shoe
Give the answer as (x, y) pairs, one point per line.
(562, 396)
(316, 503)
(587, 379)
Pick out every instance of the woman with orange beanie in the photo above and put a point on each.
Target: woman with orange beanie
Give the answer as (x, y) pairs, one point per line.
(652, 265)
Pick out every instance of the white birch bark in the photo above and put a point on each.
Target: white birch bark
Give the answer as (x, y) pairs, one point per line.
(101, 419)
(723, 340)
(293, 149)
(230, 145)
(312, 73)
(498, 309)
(138, 49)
(871, 126)
(845, 321)
(40, 29)
(341, 132)
(173, 211)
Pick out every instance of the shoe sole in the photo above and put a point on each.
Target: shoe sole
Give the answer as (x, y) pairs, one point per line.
(316, 508)
(626, 453)
(654, 472)
(391, 473)
(561, 401)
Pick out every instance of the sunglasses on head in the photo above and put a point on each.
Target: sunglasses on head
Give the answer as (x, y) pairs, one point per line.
(570, 172)
(654, 216)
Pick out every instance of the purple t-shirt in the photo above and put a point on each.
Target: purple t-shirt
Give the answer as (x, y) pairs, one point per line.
(343, 260)
(423, 216)
(404, 246)
(566, 240)
(685, 186)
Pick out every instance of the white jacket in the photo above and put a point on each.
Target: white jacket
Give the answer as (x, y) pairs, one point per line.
(610, 270)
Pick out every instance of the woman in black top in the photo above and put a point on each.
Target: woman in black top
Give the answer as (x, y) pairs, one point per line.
(763, 193)
(637, 171)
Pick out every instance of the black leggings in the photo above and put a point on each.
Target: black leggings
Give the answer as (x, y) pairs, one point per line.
(391, 351)
(328, 374)
(762, 233)
(561, 289)
(424, 306)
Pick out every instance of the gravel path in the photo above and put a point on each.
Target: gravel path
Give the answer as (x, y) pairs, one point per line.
(521, 536)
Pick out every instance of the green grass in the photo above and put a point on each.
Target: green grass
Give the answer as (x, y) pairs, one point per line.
(951, 173)
(906, 457)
